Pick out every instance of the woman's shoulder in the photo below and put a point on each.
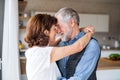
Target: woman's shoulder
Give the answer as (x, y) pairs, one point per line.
(38, 50)
(35, 48)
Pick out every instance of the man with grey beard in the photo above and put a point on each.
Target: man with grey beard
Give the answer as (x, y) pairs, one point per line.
(78, 66)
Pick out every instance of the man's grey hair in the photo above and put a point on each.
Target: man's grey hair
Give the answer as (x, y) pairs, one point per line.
(67, 14)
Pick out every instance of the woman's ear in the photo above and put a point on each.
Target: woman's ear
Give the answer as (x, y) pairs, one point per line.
(46, 32)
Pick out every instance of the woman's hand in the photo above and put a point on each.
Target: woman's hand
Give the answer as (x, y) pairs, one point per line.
(88, 29)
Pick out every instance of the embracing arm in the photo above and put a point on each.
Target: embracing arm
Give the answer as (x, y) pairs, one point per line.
(87, 28)
(61, 52)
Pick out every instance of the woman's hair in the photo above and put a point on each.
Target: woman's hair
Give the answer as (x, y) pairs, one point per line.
(35, 29)
(67, 14)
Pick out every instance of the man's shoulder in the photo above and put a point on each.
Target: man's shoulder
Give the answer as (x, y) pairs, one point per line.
(94, 45)
(94, 39)
(93, 42)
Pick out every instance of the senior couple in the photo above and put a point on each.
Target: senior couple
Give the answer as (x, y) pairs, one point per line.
(73, 56)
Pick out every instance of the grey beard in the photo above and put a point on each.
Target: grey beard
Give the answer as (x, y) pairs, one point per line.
(65, 38)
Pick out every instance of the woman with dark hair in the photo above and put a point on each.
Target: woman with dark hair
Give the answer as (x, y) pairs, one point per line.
(41, 56)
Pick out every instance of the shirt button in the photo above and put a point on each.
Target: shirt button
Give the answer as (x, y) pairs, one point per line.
(64, 67)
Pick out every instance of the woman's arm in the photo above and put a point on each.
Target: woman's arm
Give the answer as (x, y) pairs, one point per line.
(61, 52)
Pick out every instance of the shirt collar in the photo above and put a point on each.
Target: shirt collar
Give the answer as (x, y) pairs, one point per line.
(76, 38)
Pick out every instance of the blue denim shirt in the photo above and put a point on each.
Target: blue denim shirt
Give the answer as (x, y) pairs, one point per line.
(87, 63)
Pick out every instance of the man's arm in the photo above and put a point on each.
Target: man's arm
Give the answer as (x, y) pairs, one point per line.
(87, 63)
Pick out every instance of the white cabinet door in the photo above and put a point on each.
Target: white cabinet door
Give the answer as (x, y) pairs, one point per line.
(100, 21)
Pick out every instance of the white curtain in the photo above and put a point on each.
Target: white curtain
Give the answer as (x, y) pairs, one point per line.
(10, 54)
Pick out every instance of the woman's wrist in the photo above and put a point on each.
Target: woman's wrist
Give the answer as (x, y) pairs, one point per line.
(90, 34)
(88, 29)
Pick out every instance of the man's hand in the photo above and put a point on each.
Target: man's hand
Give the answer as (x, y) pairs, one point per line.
(88, 29)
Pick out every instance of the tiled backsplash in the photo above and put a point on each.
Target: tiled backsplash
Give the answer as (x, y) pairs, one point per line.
(106, 39)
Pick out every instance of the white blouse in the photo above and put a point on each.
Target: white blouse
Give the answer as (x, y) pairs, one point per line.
(38, 66)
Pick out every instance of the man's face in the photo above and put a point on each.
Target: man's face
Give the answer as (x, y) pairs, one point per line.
(65, 29)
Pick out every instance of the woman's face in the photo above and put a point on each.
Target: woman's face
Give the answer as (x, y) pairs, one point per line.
(52, 34)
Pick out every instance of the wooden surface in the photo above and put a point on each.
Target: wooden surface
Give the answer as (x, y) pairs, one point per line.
(23, 66)
(105, 63)
(22, 27)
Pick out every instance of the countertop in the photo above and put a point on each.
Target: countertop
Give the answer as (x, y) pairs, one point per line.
(110, 49)
(105, 63)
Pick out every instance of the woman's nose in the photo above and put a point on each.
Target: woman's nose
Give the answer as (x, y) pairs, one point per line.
(59, 31)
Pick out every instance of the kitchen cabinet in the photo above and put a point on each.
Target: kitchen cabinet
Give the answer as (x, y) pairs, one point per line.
(100, 21)
(23, 68)
(23, 65)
